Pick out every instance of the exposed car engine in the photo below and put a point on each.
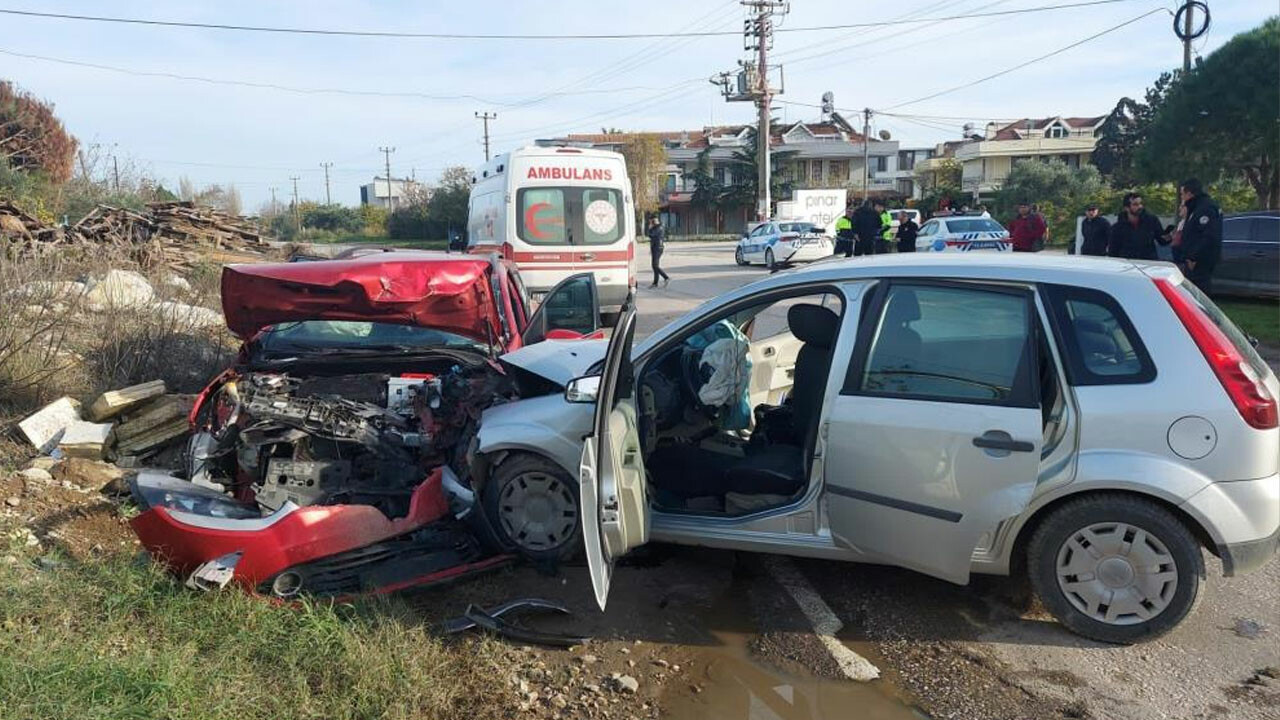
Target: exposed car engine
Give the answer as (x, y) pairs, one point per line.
(367, 438)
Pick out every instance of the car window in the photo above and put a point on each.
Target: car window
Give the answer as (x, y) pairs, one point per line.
(1236, 229)
(948, 343)
(967, 225)
(1100, 344)
(1266, 229)
(320, 335)
(569, 215)
(929, 228)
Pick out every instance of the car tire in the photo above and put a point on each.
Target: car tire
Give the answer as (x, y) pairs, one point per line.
(769, 261)
(1085, 552)
(532, 505)
(740, 257)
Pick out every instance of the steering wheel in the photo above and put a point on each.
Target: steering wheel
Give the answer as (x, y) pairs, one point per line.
(691, 373)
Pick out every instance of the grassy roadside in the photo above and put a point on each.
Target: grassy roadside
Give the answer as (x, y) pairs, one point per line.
(116, 638)
(415, 243)
(1259, 318)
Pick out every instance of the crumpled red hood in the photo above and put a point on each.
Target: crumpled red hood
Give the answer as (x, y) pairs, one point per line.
(448, 293)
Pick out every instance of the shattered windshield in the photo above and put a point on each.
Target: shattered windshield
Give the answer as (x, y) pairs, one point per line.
(328, 335)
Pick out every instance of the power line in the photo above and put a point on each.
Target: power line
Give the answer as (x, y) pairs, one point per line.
(1032, 61)
(309, 91)
(523, 36)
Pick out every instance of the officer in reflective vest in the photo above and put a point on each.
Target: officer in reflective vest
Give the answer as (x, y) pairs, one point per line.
(844, 233)
(886, 229)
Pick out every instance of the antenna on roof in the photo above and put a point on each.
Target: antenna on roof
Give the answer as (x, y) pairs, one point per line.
(828, 105)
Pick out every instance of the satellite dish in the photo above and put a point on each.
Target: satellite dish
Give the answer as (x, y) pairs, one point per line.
(828, 96)
(828, 105)
(884, 135)
(968, 129)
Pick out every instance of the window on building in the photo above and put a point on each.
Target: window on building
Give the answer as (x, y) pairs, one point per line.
(882, 163)
(815, 171)
(1055, 131)
(670, 185)
(718, 174)
(839, 171)
(907, 160)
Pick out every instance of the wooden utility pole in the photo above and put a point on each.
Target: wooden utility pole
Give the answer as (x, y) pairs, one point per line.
(391, 198)
(115, 171)
(866, 154)
(273, 201)
(297, 212)
(485, 117)
(326, 166)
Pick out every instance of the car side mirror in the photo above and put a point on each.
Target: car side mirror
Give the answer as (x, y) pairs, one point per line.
(582, 389)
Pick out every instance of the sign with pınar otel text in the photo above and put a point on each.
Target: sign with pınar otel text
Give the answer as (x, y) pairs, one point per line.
(820, 207)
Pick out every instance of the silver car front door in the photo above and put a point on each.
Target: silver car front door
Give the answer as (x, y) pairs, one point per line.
(935, 435)
(612, 496)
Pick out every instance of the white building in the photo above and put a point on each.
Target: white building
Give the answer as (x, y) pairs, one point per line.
(386, 194)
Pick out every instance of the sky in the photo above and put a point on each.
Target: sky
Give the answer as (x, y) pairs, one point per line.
(258, 138)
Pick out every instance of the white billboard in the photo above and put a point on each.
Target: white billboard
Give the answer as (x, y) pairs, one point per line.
(820, 207)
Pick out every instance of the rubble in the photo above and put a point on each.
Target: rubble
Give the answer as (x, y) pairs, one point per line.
(84, 439)
(44, 428)
(154, 425)
(119, 290)
(113, 402)
(141, 419)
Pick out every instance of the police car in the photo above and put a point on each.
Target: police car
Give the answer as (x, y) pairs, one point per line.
(962, 233)
(781, 242)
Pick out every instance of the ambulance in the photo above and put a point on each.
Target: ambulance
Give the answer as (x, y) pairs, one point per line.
(558, 211)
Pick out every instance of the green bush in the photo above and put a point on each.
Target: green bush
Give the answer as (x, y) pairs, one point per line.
(334, 218)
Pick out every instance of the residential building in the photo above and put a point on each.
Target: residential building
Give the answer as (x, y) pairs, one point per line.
(906, 182)
(386, 194)
(986, 163)
(824, 154)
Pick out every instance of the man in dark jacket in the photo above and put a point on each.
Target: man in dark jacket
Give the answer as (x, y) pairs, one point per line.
(907, 232)
(1027, 230)
(1096, 232)
(657, 239)
(1136, 232)
(866, 223)
(1201, 235)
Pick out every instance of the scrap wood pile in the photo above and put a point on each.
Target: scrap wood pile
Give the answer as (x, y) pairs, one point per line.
(124, 425)
(170, 233)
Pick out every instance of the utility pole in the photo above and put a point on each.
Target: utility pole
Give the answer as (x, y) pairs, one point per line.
(326, 166)
(115, 170)
(273, 201)
(485, 117)
(751, 83)
(866, 154)
(1188, 32)
(391, 199)
(297, 213)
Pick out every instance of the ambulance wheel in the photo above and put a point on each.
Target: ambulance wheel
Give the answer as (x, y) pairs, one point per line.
(532, 504)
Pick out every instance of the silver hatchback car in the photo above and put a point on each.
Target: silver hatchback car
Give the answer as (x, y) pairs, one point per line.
(1091, 422)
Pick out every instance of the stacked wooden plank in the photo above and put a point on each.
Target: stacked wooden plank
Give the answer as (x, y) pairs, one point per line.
(23, 233)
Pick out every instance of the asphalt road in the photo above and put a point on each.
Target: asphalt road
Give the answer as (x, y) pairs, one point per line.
(982, 651)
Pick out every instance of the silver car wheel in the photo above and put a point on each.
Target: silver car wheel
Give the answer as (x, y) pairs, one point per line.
(1116, 573)
(537, 511)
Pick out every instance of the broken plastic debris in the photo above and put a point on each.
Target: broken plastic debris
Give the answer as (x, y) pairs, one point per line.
(214, 574)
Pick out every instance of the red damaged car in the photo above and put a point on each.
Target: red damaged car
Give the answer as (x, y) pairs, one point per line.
(326, 461)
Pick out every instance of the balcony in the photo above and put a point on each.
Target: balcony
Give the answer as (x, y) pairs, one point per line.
(1030, 146)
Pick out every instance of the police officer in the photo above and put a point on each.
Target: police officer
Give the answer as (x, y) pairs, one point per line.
(866, 223)
(844, 233)
(657, 240)
(1201, 235)
(886, 229)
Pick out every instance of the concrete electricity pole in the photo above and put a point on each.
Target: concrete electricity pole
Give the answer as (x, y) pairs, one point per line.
(297, 212)
(391, 198)
(326, 166)
(866, 153)
(485, 117)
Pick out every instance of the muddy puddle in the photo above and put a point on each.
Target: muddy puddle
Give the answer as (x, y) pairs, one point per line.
(729, 682)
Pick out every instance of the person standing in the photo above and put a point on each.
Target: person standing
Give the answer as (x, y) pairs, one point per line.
(1026, 230)
(907, 232)
(886, 229)
(845, 234)
(866, 223)
(1136, 232)
(1201, 235)
(1096, 232)
(657, 240)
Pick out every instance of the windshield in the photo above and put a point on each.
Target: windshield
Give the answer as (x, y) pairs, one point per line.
(569, 215)
(337, 335)
(800, 228)
(974, 225)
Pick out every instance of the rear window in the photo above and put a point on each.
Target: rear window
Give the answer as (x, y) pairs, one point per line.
(800, 228)
(1100, 345)
(1228, 328)
(974, 225)
(569, 215)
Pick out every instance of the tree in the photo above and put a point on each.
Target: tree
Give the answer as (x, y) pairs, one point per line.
(1125, 131)
(646, 162)
(941, 185)
(743, 192)
(1061, 192)
(448, 206)
(1220, 121)
(333, 218)
(32, 138)
(708, 193)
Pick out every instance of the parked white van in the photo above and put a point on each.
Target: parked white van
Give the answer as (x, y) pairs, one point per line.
(557, 211)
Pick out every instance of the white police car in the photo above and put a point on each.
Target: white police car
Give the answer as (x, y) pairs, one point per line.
(962, 233)
(781, 242)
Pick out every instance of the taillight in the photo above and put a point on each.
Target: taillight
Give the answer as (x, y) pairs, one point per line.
(1246, 389)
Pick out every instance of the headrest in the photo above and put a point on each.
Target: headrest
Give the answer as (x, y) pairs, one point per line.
(813, 324)
(903, 308)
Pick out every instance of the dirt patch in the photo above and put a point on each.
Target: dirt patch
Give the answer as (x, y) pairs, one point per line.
(64, 516)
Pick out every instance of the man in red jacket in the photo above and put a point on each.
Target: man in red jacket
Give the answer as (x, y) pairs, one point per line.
(1027, 230)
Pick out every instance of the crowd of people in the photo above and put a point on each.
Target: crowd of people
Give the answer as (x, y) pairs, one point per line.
(868, 230)
(1195, 241)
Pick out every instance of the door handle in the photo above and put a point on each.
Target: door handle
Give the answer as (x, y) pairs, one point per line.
(1001, 440)
(588, 257)
(1257, 254)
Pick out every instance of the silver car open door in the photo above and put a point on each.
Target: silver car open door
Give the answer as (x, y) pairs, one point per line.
(615, 510)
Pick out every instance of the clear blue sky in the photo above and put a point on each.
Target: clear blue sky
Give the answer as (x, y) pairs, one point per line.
(257, 138)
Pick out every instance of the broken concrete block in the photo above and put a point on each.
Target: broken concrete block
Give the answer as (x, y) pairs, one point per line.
(190, 315)
(177, 282)
(43, 429)
(119, 290)
(93, 474)
(113, 402)
(84, 439)
(155, 424)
